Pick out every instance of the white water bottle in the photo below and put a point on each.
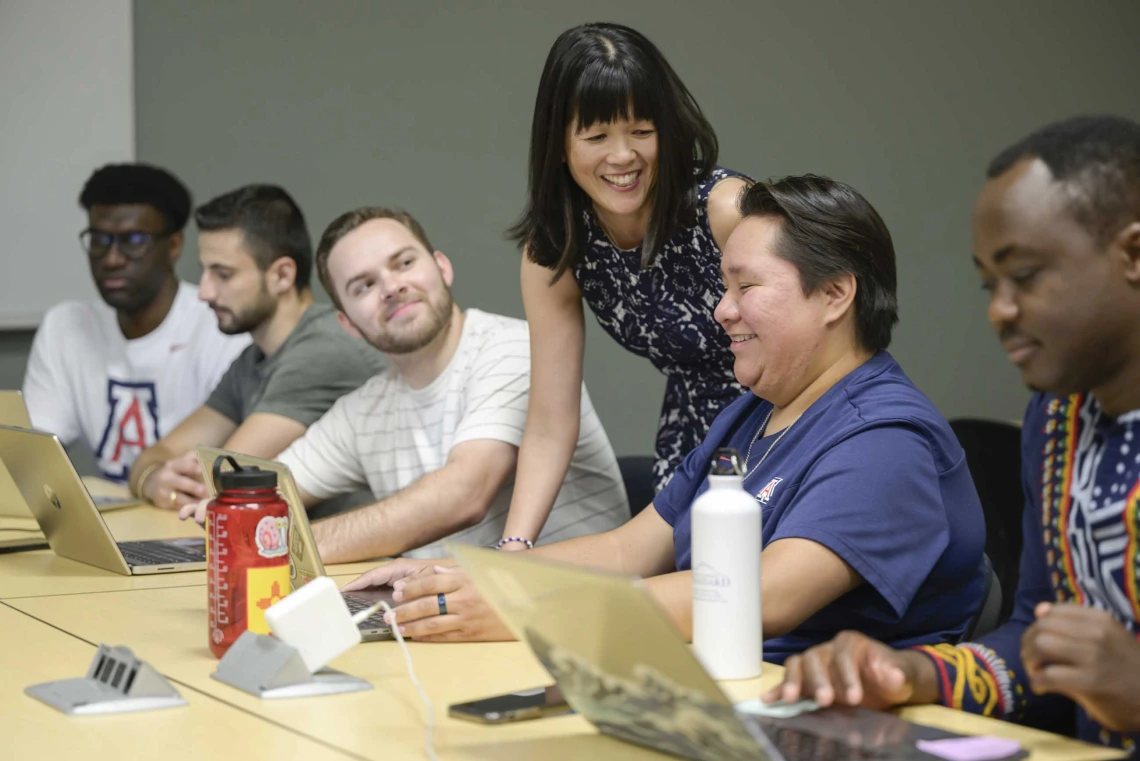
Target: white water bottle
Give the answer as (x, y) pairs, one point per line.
(726, 544)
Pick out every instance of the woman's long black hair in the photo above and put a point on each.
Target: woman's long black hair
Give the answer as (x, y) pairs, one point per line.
(599, 73)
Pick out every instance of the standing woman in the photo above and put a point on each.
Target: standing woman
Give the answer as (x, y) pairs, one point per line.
(627, 211)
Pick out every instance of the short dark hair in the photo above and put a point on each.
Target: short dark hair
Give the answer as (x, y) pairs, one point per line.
(349, 221)
(120, 184)
(1097, 158)
(271, 222)
(827, 229)
(598, 73)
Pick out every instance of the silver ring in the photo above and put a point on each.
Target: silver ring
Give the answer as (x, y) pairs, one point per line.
(442, 604)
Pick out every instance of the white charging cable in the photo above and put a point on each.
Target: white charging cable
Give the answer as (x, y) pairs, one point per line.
(429, 744)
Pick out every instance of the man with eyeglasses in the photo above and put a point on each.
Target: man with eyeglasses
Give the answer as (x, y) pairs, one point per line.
(122, 373)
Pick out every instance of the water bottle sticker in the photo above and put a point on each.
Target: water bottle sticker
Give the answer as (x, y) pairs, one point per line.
(272, 537)
(264, 587)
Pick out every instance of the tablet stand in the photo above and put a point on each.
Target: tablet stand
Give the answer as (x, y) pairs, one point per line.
(268, 668)
(116, 682)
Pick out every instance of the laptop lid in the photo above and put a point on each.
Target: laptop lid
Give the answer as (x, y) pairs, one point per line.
(12, 503)
(55, 494)
(304, 559)
(13, 411)
(106, 494)
(617, 658)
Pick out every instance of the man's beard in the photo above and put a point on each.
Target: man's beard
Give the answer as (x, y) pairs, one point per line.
(439, 318)
(252, 316)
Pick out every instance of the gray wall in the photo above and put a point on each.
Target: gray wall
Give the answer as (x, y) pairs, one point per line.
(427, 106)
(14, 348)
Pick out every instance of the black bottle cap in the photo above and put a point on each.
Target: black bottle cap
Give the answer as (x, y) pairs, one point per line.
(242, 478)
(725, 462)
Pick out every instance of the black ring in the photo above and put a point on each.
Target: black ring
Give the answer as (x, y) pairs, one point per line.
(442, 604)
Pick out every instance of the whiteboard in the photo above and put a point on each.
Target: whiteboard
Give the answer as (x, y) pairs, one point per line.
(66, 108)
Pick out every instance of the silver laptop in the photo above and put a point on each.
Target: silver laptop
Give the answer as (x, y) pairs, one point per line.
(620, 663)
(107, 496)
(13, 412)
(16, 538)
(304, 559)
(67, 515)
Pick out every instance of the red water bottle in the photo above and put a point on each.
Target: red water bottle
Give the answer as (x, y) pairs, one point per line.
(247, 552)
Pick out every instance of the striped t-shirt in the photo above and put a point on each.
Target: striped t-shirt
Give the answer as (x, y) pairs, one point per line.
(386, 435)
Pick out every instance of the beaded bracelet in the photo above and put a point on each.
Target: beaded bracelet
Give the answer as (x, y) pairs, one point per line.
(499, 545)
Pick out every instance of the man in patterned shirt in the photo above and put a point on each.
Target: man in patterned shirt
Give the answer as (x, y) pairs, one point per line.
(1057, 245)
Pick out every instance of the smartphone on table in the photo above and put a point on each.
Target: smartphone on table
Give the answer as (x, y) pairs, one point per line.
(514, 706)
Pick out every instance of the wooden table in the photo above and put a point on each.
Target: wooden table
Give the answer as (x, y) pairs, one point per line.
(16, 533)
(42, 572)
(37, 573)
(53, 612)
(167, 627)
(32, 652)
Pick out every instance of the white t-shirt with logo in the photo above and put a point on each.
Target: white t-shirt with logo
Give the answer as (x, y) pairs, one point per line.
(386, 435)
(86, 380)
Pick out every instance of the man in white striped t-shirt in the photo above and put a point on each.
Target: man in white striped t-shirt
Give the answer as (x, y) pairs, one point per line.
(435, 437)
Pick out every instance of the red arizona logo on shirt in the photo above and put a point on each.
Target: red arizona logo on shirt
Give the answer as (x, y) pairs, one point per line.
(132, 426)
(766, 493)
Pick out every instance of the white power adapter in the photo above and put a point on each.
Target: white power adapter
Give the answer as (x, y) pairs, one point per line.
(316, 622)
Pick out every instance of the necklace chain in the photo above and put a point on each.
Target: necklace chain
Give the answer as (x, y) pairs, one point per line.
(763, 427)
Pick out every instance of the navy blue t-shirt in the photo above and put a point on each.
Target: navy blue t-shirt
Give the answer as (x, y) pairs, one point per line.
(874, 473)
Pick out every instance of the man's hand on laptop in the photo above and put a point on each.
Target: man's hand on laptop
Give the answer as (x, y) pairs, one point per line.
(176, 484)
(854, 669)
(388, 574)
(418, 585)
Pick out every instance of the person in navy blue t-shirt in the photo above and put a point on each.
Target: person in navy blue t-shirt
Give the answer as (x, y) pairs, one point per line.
(871, 519)
(873, 475)
(1057, 245)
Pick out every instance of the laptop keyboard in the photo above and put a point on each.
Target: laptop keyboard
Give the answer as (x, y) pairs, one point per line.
(355, 605)
(159, 553)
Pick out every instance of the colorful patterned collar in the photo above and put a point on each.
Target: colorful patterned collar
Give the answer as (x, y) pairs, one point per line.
(1066, 428)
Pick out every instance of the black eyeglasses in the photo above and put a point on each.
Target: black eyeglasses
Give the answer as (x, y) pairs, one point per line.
(132, 243)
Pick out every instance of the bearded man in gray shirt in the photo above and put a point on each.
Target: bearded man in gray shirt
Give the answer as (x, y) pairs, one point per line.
(256, 263)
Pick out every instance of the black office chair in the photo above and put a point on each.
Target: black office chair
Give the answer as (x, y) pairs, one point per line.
(637, 475)
(993, 455)
(989, 615)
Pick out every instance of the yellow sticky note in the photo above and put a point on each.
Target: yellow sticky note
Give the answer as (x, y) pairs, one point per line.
(264, 587)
